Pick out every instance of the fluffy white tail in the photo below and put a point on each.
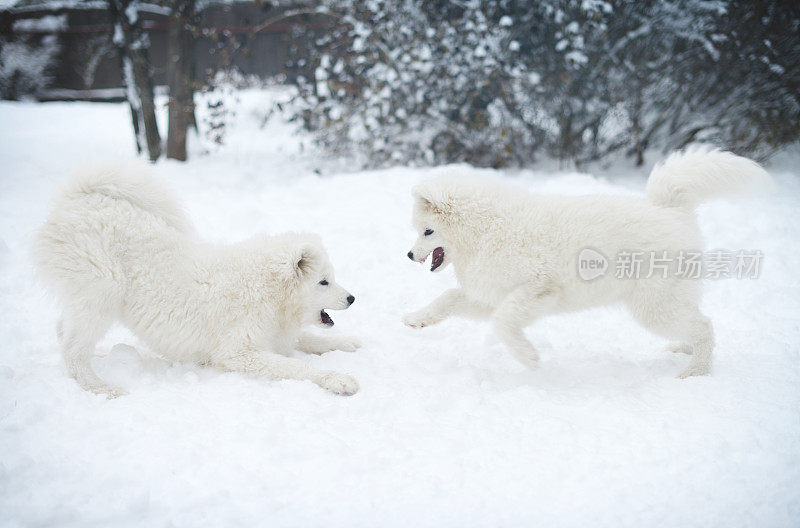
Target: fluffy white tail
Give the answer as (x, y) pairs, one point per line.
(142, 191)
(685, 179)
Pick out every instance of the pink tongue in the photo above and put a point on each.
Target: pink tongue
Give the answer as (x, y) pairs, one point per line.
(438, 257)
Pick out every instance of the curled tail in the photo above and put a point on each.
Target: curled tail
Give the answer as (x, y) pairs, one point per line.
(141, 191)
(686, 179)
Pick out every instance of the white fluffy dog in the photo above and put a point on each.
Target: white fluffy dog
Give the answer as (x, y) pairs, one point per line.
(516, 255)
(117, 247)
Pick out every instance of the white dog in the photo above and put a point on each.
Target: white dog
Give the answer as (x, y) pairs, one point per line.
(117, 247)
(516, 255)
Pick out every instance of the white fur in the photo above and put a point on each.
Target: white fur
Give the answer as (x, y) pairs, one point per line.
(515, 254)
(118, 247)
(685, 179)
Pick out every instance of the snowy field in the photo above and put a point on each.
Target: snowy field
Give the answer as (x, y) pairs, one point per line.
(448, 429)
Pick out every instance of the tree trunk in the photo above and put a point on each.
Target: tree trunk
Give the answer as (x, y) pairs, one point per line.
(133, 45)
(565, 146)
(636, 123)
(179, 78)
(144, 83)
(129, 84)
(636, 132)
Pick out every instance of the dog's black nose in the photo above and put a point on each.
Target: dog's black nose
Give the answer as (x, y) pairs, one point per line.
(350, 299)
(411, 255)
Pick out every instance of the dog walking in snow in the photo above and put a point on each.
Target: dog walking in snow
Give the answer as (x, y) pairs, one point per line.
(117, 247)
(516, 254)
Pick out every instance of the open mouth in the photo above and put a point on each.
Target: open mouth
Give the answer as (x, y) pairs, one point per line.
(438, 258)
(325, 319)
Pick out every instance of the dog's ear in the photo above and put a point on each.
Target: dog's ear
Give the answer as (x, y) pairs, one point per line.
(304, 263)
(304, 260)
(426, 198)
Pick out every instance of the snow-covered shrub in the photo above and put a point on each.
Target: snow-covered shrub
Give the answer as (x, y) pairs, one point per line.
(488, 83)
(417, 82)
(500, 83)
(748, 96)
(218, 101)
(26, 66)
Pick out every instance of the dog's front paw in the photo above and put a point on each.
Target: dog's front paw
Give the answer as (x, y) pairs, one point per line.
(528, 357)
(694, 370)
(531, 363)
(338, 383)
(679, 348)
(416, 320)
(348, 344)
(109, 391)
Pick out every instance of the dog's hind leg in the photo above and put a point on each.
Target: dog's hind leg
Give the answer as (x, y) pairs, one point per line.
(80, 333)
(452, 302)
(278, 367)
(521, 307)
(701, 337)
(675, 318)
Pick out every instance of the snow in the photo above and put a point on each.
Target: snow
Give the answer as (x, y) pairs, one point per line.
(132, 12)
(447, 430)
(47, 23)
(577, 56)
(52, 5)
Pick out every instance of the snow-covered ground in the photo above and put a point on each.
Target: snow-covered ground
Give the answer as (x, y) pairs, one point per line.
(448, 429)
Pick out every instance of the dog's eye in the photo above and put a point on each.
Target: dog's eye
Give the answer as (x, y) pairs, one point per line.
(428, 232)
(323, 282)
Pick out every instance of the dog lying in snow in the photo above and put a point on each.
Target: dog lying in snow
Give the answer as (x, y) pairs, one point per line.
(117, 247)
(516, 254)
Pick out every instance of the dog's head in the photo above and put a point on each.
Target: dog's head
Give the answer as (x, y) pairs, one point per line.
(429, 218)
(317, 287)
